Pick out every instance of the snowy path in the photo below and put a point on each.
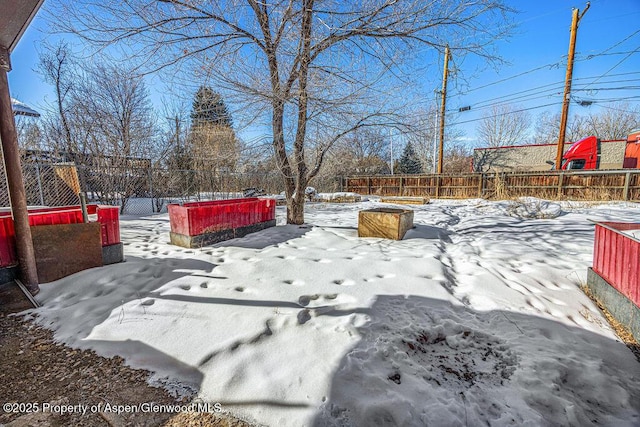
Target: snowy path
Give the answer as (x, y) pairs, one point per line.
(475, 317)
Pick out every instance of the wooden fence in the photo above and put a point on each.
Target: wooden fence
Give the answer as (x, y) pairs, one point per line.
(575, 185)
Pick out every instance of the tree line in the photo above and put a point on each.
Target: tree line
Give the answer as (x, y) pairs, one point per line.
(314, 73)
(509, 124)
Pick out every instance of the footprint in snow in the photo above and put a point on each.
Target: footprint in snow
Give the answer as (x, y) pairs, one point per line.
(344, 282)
(148, 302)
(304, 316)
(306, 299)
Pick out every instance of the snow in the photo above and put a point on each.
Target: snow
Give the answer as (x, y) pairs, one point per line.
(338, 197)
(476, 317)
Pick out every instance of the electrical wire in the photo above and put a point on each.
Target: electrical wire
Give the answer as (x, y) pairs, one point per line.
(615, 66)
(501, 114)
(557, 64)
(611, 47)
(549, 89)
(524, 73)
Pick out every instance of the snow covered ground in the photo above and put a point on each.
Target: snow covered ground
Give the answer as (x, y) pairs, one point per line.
(475, 318)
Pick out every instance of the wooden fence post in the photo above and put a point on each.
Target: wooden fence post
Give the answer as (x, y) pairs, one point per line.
(481, 186)
(401, 180)
(560, 182)
(438, 187)
(369, 185)
(627, 180)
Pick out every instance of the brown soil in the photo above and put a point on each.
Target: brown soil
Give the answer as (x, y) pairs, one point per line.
(34, 369)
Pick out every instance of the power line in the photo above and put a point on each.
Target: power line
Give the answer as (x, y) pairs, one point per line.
(636, 111)
(615, 45)
(557, 64)
(526, 95)
(552, 65)
(589, 57)
(624, 98)
(522, 96)
(598, 101)
(612, 68)
(501, 114)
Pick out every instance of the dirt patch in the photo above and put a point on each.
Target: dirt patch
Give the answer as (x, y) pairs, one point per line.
(34, 370)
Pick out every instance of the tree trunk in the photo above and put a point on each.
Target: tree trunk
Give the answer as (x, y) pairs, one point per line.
(295, 209)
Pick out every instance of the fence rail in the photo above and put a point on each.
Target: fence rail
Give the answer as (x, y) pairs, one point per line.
(140, 190)
(581, 185)
(147, 190)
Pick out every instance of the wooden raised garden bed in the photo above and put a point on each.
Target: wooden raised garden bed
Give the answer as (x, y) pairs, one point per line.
(614, 280)
(63, 243)
(198, 224)
(387, 223)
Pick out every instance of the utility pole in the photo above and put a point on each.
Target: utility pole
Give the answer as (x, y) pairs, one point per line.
(435, 135)
(442, 107)
(575, 20)
(391, 142)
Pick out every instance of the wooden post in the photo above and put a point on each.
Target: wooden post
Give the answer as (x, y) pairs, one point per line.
(442, 109)
(401, 181)
(567, 85)
(369, 185)
(15, 182)
(481, 186)
(438, 187)
(560, 182)
(627, 181)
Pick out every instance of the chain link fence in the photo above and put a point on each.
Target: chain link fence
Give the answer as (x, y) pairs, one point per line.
(140, 190)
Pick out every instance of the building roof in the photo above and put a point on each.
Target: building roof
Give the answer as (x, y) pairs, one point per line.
(16, 16)
(22, 109)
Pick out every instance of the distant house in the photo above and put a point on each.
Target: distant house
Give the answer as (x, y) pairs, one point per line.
(22, 109)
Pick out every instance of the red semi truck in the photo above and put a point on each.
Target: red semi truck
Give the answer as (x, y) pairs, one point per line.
(586, 153)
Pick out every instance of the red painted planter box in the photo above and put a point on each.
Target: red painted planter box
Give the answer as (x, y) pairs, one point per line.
(108, 217)
(225, 217)
(192, 219)
(616, 257)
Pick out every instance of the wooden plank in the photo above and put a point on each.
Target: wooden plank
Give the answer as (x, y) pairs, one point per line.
(64, 249)
(405, 200)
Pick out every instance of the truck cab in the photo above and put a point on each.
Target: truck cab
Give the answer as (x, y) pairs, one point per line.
(584, 154)
(632, 151)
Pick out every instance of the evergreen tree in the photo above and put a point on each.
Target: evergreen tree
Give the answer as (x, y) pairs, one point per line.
(409, 161)
(209, 107)
(213, 145)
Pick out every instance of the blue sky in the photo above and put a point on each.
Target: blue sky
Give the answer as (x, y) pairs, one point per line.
(608, 56)
(537, 54)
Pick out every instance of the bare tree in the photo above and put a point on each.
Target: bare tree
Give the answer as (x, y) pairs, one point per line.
(359, 153)
(503, 125)
(29, 133)
(57, 67)
(615, 121)
(301, 63)
(457, 158)
(118, 103)
(547, 128)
